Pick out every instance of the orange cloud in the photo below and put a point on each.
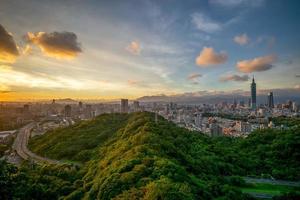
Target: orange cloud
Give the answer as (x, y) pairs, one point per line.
(134, 47)
(57, 44)
(241, 39)
(133, 82)
(8, 48)
(257, 64)
(27, 50)
(209, 57)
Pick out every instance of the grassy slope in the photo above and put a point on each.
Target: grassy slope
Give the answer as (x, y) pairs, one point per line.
(131, 157)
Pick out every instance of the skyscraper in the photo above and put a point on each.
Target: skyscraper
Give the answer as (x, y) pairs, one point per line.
(270, 100)
(215, 130)
(234, 103)
(295, 107)
(253, 94)
(80, 104)
(68, 111)
(249, 102)
(124, 105)
(198, 119)
(88, 111)
(136, 106)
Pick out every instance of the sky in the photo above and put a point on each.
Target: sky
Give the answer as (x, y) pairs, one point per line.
(86, 49)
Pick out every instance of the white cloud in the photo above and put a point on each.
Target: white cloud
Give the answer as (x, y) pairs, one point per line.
(269, 41)
(236, 3)
(242, 39)
(203, 23)
(10, 78)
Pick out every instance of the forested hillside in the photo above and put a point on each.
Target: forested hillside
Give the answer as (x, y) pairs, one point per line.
(129, 156)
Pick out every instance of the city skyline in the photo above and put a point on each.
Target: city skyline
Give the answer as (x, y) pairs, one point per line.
(149, 99)
(106, 51)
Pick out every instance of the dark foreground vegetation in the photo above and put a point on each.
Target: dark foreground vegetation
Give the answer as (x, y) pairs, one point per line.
(129, 156)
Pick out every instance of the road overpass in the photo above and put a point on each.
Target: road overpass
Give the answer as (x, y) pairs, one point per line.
(20, 146)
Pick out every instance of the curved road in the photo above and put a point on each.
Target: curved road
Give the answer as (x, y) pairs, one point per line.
(20, 146)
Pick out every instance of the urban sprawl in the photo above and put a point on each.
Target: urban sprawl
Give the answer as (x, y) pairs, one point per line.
(236, 119)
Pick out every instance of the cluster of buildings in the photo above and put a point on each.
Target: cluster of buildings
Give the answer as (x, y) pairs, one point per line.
(232, 119)
(235, 118)
(7, 136)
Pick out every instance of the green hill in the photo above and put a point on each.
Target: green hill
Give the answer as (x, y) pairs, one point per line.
(80, 141)
(129, 156)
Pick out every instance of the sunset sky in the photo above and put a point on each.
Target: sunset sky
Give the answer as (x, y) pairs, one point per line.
(86, 49)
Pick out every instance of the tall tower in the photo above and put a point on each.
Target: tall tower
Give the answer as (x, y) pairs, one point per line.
(270, 100)
(68, 111)
(253, 94)
(124, 106)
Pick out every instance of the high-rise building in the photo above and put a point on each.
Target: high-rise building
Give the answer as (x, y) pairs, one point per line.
(88, 112)
(68, 111)
(124, 105)
(244, 127)
(215, 130)
(198, 119)
(234, 103)
(173, 106)
(289, 104)
(136, 106)
(253, 94)
(242, 104)
(80, 104)
(270, 100)
(52, 109)
(154, 105)
(295, 107)
(249, 102)
(80, 108)
(26, 108)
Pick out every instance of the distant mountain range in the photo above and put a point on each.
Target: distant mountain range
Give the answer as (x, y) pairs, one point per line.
(199, 97)
(280, 96)
(76, 101)
(66, 101)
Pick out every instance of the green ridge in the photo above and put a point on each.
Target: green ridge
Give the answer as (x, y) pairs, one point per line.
(129, 156)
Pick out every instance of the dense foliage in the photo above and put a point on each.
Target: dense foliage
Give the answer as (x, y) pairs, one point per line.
(5, 146)
(129, 156)
(36, 182)
(80, 141)
(286, 121)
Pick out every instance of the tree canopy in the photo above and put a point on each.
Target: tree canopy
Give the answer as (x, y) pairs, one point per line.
(129, 156)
